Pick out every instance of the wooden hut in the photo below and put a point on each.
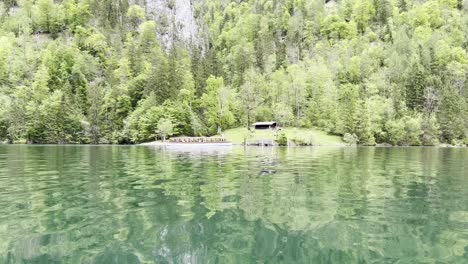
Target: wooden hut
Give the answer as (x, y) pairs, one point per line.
(265, 125)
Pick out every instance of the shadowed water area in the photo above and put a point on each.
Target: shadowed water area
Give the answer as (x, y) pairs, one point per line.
(116, 204)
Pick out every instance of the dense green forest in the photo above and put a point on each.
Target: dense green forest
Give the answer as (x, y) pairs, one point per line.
(107, 71)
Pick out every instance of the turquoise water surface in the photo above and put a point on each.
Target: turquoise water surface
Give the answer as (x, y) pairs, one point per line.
(134, 204)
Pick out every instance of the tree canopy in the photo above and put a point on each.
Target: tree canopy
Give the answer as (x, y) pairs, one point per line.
(89, 71)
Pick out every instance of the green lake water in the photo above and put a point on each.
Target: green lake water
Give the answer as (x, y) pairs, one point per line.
(135, 204)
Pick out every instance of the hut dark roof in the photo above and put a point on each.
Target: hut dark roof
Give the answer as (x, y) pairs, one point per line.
(265, 123)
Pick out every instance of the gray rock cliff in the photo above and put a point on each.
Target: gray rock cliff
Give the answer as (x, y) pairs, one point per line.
(175, 20)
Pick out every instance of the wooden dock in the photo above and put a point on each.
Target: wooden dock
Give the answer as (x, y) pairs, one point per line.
(198, 140)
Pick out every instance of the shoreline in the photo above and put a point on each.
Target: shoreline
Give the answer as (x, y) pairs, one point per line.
(161, 144)
(170, 144)
(158, 144)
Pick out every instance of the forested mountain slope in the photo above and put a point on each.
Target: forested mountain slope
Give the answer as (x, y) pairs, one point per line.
(106, 71)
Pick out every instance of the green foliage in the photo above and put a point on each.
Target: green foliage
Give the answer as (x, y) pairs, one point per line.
(58, 122)
(252, 95)
(431, 132)
(4, 105)
(379, 71)
(282, 139)
(50, 16)
(216, 101)
(364, 125)
(165, 128)
(135, 15)
(77, 13)
(348, 112)
(335, 27)
(350, 139)
(142, 123)
(405, 131)
(363, 12)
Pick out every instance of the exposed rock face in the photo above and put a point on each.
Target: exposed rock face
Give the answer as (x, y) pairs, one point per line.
(175, 20)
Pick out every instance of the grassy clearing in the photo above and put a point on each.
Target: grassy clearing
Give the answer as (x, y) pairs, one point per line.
(314, 136)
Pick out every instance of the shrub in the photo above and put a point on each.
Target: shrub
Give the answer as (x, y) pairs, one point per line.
(282, 139)
(350, 139)
(430, 130)
(303, 141)
(300, 142)
(457, 142)
(165, 128)
(404, 131)
(413, 131)
(395, 131)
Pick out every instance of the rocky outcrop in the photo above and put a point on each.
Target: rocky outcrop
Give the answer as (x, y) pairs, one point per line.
(175, 20)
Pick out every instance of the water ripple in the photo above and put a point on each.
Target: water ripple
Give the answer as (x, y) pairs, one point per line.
(110, 204)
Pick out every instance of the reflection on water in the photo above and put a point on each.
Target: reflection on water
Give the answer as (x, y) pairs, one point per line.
(88, 204)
